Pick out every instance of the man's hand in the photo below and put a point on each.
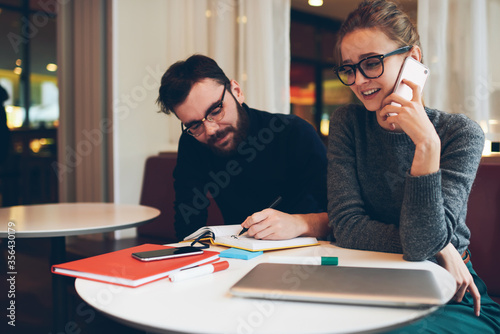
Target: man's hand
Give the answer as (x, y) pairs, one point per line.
(271, 224)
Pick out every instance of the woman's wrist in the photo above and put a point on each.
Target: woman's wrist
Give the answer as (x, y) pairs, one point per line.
(427, 157)
(445, 252)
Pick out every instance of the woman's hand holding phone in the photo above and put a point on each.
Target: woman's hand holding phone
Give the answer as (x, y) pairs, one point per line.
(414, 71)
(411, 118)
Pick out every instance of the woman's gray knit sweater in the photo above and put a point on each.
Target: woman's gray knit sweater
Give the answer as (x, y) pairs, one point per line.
(373, 202)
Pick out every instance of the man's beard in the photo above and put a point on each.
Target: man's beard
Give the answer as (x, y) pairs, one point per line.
(239, 134)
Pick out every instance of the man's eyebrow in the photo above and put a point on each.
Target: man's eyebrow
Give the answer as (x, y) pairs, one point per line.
(190, 124)
(212, 107)
(207, 112)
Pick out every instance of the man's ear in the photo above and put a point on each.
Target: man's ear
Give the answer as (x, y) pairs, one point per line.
(237, 91)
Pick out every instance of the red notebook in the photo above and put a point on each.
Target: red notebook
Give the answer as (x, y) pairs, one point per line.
(121, 268)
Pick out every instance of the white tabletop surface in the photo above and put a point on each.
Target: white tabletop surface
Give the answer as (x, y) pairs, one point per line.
(204, 305)
(65, 219)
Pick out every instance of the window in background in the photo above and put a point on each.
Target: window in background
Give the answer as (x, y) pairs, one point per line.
(303, 91)
(28, 72)
(315, 91)
(44, 108)
(9, 66)
(28, 66)
(335, 94)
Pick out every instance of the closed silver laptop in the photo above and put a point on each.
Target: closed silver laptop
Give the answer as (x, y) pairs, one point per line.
(346, 285)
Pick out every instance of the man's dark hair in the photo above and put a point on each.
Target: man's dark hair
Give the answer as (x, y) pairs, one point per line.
(178, 80)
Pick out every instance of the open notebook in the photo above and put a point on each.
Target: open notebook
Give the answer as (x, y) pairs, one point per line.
(227, 235)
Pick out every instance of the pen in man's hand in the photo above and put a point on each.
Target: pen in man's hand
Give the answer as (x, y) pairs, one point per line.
(272, 206)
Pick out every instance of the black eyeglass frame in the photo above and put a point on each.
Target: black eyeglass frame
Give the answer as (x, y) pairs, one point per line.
(200, 240)
(380, 57)
(207, 117)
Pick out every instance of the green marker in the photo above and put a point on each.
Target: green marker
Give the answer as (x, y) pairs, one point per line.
(315, 260)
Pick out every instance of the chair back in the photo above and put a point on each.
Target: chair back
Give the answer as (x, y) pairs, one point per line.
(158, 192)
(483, 220)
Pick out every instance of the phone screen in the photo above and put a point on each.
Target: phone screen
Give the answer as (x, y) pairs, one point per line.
(167, 253)
(414, 71)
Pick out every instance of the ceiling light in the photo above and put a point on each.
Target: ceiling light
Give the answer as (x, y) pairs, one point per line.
(51, 67)
(315, 3)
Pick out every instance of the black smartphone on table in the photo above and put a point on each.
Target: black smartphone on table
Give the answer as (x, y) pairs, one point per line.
(167, 253)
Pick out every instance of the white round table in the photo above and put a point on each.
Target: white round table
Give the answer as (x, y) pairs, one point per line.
(56, 221)
(204, 305)
(65, 219)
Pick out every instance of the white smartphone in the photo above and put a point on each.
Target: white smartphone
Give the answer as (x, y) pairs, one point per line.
(414, 71)
(167, 253)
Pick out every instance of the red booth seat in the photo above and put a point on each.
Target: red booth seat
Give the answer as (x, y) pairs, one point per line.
(483, 220)
(158, 192)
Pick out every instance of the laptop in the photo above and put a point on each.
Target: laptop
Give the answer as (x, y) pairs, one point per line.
(345, 285)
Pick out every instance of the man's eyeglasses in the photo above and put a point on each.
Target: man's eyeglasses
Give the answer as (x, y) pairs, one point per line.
(371, 67)
(214, 114)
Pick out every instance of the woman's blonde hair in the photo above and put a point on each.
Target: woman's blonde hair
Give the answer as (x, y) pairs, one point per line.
(383, 15)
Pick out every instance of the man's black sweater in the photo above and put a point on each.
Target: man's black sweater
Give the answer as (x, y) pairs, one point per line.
(282, 155)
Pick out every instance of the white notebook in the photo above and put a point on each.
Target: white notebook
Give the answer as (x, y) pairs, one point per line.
(227, 235)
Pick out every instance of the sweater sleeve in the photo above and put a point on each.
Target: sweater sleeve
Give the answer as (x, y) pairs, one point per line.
(434, 206)
(352, 226)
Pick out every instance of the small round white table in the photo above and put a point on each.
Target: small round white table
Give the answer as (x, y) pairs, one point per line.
(204, 305)
(66, 219)
(56, 221)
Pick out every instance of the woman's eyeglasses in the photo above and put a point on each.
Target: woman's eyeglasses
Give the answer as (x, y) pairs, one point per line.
(370, 67)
